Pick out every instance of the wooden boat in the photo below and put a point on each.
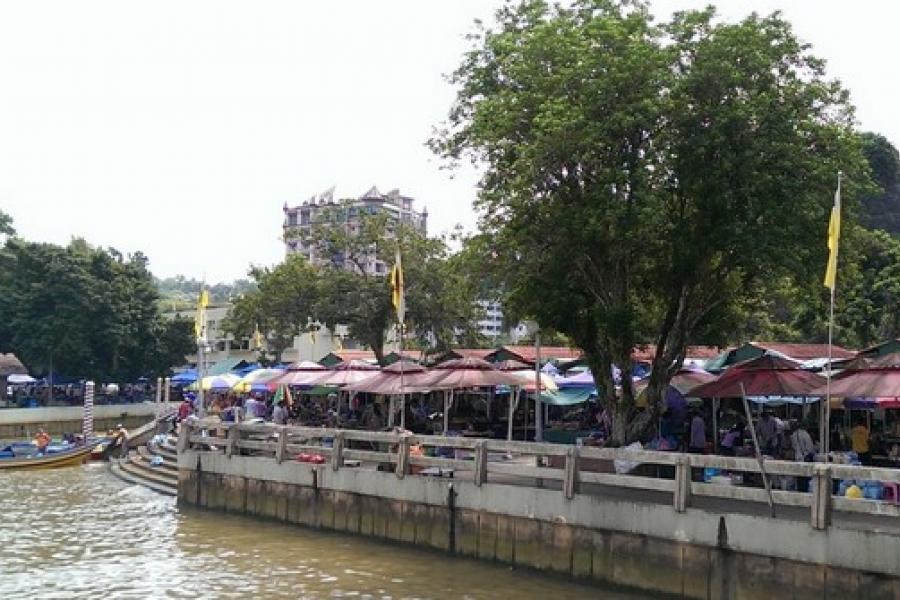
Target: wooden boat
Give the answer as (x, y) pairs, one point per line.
(18, 457)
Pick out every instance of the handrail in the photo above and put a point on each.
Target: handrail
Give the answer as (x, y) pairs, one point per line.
(572, 466)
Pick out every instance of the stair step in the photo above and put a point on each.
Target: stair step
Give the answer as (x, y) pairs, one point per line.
(130, 477)
(135, 464)
(148, 454)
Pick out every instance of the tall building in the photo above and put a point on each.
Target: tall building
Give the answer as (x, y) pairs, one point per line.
(300, 221)
(491, 324)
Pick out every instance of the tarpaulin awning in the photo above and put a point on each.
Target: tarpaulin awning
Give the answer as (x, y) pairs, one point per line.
(567, 396)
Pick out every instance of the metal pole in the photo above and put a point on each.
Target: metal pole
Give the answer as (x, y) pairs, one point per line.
(759, 458)
(824, 428)
(538, 408)
(201, 370)
(159, 382)
(513, 402)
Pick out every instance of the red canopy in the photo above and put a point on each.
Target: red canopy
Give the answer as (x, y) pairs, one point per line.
(388, 381)
(300, 373)
(766, 375)
(879, 378)
(468, 373)
(345, 373)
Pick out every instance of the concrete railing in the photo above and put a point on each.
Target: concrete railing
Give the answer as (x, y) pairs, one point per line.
(577, 470)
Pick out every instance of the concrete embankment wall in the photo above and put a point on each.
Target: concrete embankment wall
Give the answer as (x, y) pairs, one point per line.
(20, 423)
(646, 546)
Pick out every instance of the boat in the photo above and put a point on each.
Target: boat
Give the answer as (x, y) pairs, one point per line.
(25, 455)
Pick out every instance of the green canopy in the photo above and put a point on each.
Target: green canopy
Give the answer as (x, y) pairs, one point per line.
(567, 396)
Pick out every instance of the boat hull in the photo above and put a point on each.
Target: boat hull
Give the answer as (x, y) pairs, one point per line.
(67, 458)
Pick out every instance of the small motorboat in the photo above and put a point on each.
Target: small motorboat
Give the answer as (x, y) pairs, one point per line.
(26, 455)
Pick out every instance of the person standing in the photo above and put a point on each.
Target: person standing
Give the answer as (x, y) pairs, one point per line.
(279, 414)
(859, 437)
(697, 440)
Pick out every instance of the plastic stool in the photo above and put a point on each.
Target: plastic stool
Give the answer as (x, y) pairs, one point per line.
(891, 492)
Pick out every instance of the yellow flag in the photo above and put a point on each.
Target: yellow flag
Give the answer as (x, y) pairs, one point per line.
(397, 296)
(200, 318)
(834, 235)
(257, 338)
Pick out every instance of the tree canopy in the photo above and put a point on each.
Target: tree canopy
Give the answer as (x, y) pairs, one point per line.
(85, 311)
(640, 180)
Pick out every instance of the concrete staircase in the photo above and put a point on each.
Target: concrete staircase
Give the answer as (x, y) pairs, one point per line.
(136, 467)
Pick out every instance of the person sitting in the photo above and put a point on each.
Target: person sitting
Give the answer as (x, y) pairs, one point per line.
(733, 439)
(41, 440)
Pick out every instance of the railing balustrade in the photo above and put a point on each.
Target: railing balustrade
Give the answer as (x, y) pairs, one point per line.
(578, 470)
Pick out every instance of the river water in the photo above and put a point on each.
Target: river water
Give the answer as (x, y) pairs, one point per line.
(81, 533)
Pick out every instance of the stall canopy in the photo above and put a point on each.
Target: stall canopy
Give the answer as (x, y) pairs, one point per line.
(259, 380)
(401, 377)
(185, 377)
(218, 383)
(766, 375)
(583, 380)
(568, 397)
(300, 373)
(352, 371)
(880, 378)
(468, 373)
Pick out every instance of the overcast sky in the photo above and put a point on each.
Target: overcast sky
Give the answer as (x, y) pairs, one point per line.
(180, 128)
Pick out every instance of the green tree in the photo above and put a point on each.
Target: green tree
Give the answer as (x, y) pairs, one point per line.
(439, 298)
(641, 180)
(86, 311)
(881, 208)
(6, 224)
(281, 304)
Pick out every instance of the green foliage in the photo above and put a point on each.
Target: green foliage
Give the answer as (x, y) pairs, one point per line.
(881, 209)
(182, 292)
(439, 296)
(642, 181)
(6, 224)
(85, 311)
(280, 303)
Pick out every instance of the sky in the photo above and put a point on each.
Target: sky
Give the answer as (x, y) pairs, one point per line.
(181, 128)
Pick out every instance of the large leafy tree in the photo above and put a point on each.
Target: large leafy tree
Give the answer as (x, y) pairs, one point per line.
(281, 304)
(439, 298)
(639, 180)
(87, 311)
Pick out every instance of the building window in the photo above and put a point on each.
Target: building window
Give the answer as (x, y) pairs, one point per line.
(292, 218)
(304, 217)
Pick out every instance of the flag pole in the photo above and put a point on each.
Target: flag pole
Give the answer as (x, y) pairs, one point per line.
(831, 281)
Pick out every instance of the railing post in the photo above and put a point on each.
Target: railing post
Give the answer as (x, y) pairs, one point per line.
(234, 434)
(281, 446)
(184, 436)
(570, 483)
(337, 451)
(821, 500)
(403, 456)
(682, 495)
(481, 463)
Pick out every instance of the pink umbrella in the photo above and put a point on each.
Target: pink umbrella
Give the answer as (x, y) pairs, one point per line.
(468, 373)
(388, 381)
(300, 373)
(346, 373)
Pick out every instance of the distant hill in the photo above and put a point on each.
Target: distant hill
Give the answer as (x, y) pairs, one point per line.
(180, 292)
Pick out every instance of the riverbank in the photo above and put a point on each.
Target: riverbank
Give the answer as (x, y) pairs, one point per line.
(84, 534)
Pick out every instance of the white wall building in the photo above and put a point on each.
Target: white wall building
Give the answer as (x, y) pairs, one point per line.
(299, 221)
(226, 347)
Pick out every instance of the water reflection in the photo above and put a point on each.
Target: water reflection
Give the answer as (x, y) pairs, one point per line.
(81, 533)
